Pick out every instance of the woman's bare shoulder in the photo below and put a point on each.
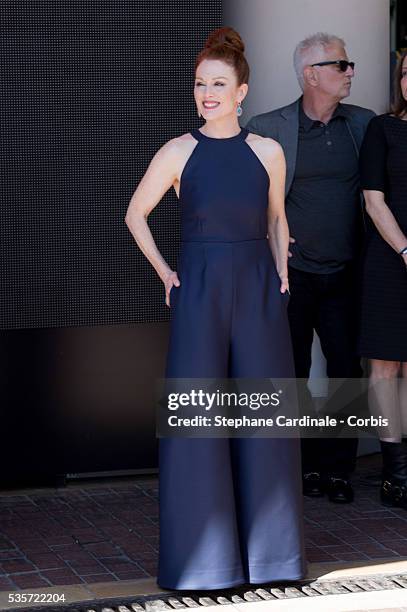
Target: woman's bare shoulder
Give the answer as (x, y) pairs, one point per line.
(175, 151)
(267, 146)
(179, 146)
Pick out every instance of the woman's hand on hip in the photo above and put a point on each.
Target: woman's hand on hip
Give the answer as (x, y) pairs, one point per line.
(284, 285)
(170, 281)
(291, 240)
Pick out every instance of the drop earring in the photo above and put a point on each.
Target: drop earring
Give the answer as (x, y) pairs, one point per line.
(199, 114)
(239, 109)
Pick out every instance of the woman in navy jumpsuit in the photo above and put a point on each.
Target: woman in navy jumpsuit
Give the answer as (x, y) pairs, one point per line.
(230, 509)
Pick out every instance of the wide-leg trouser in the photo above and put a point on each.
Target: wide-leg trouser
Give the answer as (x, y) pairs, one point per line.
(230, 509)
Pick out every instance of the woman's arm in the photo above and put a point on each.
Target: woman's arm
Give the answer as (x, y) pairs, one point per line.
(384, 220)
(374, 180)
(159, 177)
(277, 221)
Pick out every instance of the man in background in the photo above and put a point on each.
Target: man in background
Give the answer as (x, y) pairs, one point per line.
(321, 139)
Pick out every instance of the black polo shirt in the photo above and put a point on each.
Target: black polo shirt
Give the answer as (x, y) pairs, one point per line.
(323, 204)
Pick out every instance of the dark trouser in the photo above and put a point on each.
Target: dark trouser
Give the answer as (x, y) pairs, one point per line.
(327, 303)
(230, 510)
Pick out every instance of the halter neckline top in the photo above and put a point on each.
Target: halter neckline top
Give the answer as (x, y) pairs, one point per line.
(198, 135)
(223, 191)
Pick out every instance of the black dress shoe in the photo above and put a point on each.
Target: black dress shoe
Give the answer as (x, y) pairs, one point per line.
(339, 490)
(312, 485)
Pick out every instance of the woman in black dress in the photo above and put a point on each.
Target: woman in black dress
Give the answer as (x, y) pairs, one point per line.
(383, 337)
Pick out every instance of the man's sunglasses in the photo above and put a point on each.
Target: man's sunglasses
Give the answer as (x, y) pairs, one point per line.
(342, 64)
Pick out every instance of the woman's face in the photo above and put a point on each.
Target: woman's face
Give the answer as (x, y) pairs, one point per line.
(216, 91)
(403, 82)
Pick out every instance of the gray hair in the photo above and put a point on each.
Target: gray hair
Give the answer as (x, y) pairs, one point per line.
(312, 49)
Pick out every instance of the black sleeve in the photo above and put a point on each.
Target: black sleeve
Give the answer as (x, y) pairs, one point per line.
(264, 125)
(253, 127)
(373, 157)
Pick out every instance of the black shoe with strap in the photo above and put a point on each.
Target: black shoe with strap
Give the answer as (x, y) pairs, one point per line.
(393, 491)
(394, 494)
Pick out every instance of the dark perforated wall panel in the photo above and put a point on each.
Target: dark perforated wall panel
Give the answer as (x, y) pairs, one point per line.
(89, 91)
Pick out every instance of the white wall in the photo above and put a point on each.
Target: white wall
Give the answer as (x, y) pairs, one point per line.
(272, 28)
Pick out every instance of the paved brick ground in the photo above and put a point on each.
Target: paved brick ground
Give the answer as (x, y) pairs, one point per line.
(109, 532)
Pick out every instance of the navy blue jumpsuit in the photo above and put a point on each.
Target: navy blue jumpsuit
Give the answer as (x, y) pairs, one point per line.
(230, 509)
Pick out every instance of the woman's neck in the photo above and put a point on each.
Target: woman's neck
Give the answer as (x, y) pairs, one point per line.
(221, 129)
